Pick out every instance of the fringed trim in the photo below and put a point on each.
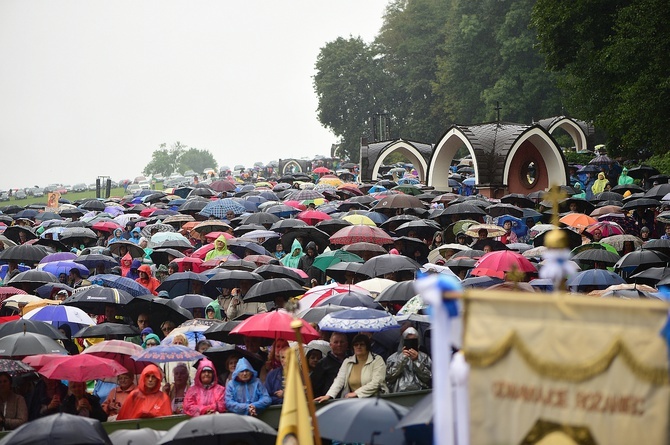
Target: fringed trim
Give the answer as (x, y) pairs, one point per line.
(569, 372)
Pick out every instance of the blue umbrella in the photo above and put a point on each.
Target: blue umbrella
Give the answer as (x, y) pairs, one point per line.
(358, 319)
(544, 284)
(376, 189)
(4, 268)
(126, 284)
(282, 210)
(593, 279)
(519, 227)
(481, 282)
(220, 207)
(168, 353)
(59, 267)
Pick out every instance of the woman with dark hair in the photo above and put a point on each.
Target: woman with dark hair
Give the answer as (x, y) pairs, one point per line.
(361, 375)
(68, 343)
(13, 409)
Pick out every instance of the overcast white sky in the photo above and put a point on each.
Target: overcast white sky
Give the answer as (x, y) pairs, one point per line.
(92, 88)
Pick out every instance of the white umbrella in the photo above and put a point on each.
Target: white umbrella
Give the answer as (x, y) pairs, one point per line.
(375, 285)
(358, 319)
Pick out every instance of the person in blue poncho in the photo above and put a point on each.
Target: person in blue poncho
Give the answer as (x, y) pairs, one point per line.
(245, 393)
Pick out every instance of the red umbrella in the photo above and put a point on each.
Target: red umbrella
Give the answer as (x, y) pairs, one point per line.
(120, 351)
(81, 368)
(319, 293)
(275, 324)
(312, 217)
(607, 228)
(189, 263)
(295, 204)
(211, 236)
(498, 263)
(360, 233)
(106, 226)
(321, 170)
(37, 361)
(202, 251)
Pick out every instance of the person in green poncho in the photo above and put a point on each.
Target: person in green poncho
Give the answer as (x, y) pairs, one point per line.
(624, 179)
(580, 193)
(293, 259)
(220, 249)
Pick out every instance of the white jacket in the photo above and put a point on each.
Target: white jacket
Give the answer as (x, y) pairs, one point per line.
(373, 377)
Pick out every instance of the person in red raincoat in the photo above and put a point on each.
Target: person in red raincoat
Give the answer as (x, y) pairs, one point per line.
(147, 400)
(206, 396)
(147, 280)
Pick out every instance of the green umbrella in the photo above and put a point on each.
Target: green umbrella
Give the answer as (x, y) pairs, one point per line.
(327, 259)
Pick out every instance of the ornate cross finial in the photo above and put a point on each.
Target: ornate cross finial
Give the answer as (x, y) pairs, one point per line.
(515, 275)
(498, 108)
(555, 195)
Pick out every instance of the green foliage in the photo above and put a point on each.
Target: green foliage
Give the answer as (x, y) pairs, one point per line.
(612, 59)
(577, 158)
(660, 162)
(179, 158)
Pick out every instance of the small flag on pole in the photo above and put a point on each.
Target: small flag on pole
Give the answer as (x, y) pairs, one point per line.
(295, 425)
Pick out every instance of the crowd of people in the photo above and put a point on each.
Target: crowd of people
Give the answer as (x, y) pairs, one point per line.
(252, 377)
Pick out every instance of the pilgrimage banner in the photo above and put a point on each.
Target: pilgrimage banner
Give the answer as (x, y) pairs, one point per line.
(566, 369)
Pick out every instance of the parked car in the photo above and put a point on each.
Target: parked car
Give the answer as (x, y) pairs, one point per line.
(92, 187)
(38, 192)
(20, 194)
(4, 196)
(80, 187)
(133, 188)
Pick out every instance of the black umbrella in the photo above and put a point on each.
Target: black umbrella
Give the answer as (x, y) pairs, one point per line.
(12, 232)
(307, 233)
(639, 260)
(607, 196)
(93, 260)
(284, 225)
(518, 200)
(193, 301)
(641, 203)
(642, 171)
(418, 422)
(399, 292)
(591, 256)
(142, 436)
(221, 331)
(162, 256)
(229, 279)
(27, 325)
(424, 228)
(237, 265)
(362, 420)
(59, 429)
(481, 282)
(177, 244)
(315, 314)
(264, 219)
(504, 209)
(181, 283)
(387, 264)
(95, 299)
(24, 253)
(240, 247)
(220, 428)
(651, 276)
(193, 205)
(22, 344)
(270, 289)
(659, 245)
(268, 271)
(106, 330)
(339, 271)
(574, 238)
(117, 249)
(658, 191)
(583, 206)
(158, 309)
(78, 236)
(30, 280)
(623, 188)
(330, 226)
(411, 245)
(93, 204)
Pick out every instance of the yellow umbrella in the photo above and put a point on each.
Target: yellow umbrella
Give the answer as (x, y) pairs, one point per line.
(359, 219)
(37, 304)
(332, 181)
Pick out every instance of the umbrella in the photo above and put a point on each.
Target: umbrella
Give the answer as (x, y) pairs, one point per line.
(423, 228)
(504, 209)
(59, 429)
(640, 260)
(28, 343)
(158, 309)
(12, 232)
(278, 271)
(92, 261)
(659, 245)
(192, 301)
(24, 253)
(577, 220)
(492, 230)
(607, 228)
(272, 288)
(168, 353)
(26, 325)
(59, 256)
(328, 259)
(58, 267)
(81, 368)
(360, 233)
(135, 250)
(312, 217)
(358, 319)
(362, 420)
(242, 247)
(399, 292)
(95, 299)
(107, 330)
(350, 298)
(658, 191)
(275, 324)
(121, 283)
(120, 351)
(618, 241)
(77, 236)
(340, 271)
(602, 256)
(588, 280)
(33, 279)
(641, 203)
(181, 283)
(225, 428)
(364, 249)
(574, 238)
(399, 201)
(162, 256)
(229, 279)
(481, 282)
(221, 331)
(332, 225)
(14, 367)
(59, 314)
(499, 263)
(651, 276)
(642, 171)
(205, 227)
(237, 264)
(285, 224)
(307, 233)
(220, 207)
(142, 436)
(387, 264)
(316, 314)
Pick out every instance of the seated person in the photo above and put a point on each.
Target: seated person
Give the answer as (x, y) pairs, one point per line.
(409, 369)
(147, 400)
(274, 382)
(14, 411)
(206, 396)
(118, 395)
(245, 393)
(81, 403)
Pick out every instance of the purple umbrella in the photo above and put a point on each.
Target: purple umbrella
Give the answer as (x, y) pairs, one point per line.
(59, 267)
(114, 210)
(60, 256)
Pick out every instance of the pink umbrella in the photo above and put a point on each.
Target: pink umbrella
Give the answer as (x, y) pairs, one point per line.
(312, 217)
(319, 293)
(275, 324)
(120, 351)
(37, 361)
(81, 368)
(498, 263)
(607, 228)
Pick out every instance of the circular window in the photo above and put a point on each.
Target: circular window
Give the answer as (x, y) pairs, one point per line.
(528, 174)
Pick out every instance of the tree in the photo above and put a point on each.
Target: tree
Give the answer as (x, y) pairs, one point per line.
(350, 86)
(197, 160)
(179, 158)
(612, 59)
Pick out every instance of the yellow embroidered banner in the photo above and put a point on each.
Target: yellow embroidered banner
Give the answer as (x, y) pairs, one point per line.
(557, 368)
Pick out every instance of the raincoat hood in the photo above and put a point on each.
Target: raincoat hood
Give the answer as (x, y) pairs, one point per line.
(135, 231)
(150, 336)
(311, 245)
(243, 365)
(292, 258)
(126, 261)
(150, 370)
(118, 233)
(223, 240)
(601, 175)
(145, 268)
(205, 363)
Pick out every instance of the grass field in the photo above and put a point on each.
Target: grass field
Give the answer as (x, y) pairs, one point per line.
(70, 196)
